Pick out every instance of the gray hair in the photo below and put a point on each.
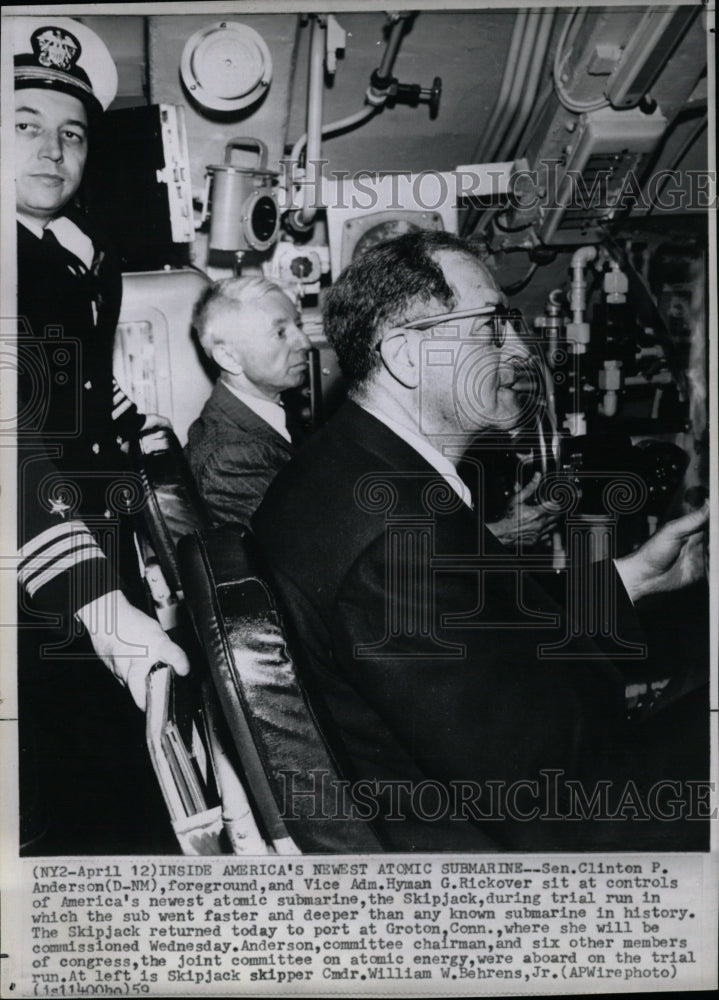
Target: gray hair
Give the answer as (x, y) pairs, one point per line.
(226, 298)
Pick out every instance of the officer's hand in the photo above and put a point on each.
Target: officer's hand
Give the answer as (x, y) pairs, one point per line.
(154, 422)
(522, 521)
(670, 559)
(129, 642)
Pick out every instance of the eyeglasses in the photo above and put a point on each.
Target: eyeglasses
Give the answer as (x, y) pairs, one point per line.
(494, 319)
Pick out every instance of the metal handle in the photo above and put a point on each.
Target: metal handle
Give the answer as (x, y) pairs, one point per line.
(257, 144)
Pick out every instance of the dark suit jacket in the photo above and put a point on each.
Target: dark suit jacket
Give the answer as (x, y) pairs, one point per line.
(439, 679)
(234, 455)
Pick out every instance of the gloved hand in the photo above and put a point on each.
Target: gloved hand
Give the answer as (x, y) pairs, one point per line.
(129, 642)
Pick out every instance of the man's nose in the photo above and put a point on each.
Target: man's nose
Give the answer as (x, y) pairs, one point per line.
(51, 147)
(515, 344)
(302, 341)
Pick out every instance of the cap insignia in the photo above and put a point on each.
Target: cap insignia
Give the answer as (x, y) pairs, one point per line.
(55, 48)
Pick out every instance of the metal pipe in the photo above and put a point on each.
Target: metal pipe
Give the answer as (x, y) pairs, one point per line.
(521, 43)
(315, 101)
(523, 62)
(516, 40)
(351, 121)
(580, 259)
(530, 90)
(390, 53)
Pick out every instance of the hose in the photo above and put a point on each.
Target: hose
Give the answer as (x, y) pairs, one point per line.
(341, 125)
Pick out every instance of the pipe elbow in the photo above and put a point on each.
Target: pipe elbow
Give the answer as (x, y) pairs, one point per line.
(301, 220)
(582, 257)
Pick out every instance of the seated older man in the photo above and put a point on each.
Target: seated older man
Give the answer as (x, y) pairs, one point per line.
(252, 331)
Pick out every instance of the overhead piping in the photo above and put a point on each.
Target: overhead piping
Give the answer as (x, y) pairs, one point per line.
(522, 42)
(516, 40)
(304, 217)
(530, 91)
(529, 102)
(340, 125)
(523, 61)
(390, 53)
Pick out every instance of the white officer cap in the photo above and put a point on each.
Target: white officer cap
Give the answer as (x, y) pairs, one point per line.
(60, 53)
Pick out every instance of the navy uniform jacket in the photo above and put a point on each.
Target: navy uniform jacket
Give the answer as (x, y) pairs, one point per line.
(72, 481)
(234, 455)
(439, 679)
(86, 785)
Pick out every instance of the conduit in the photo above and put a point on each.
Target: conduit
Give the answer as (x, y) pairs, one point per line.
(523, 61)
(507, 147)
(514, 44)
(305, 216)
(351, 121)
(390, 53)
(520, 49)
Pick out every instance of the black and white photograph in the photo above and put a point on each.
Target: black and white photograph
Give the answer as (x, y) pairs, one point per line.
(359, 477)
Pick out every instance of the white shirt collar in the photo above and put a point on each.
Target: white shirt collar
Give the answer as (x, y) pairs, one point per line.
(67, 234)
(435, 458)
(35, 228)
(269, 411)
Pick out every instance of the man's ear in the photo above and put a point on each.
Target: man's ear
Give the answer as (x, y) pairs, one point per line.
(227, 357)
(399, 350)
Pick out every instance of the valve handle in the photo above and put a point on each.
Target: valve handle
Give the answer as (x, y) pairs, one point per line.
(434, 96)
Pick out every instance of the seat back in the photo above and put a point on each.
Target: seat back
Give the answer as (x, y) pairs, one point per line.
(173, 504)
(291, 772)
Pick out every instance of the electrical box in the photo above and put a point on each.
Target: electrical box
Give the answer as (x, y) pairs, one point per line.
(599, 175)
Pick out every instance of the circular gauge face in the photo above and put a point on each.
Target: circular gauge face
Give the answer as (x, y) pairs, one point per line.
(381, 232)
(226, 66)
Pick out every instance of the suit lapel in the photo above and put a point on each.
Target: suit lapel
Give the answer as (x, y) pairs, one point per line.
(370, 434)
(225, 403)
(390, 452)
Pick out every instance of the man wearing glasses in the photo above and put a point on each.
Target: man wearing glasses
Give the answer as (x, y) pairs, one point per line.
(426, 644)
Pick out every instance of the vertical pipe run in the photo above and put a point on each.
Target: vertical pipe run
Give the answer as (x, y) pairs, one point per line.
(518, 84)
(531, 87)
(315, 100)
(387, 64)
(509, 72)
